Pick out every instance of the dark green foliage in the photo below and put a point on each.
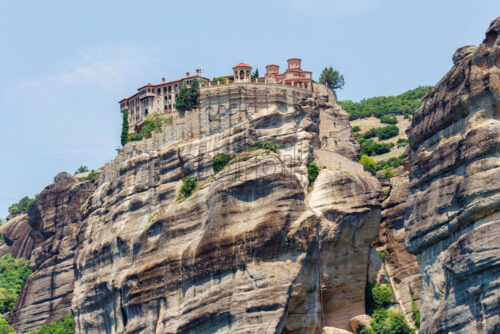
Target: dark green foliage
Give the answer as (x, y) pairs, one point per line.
(377, 296)
(219, 79)
(415, 312)
(404, 104)
(370, 147)
(5, 327)
(13, 275)
(388, 174)
(388, 119)
(124, 135)
(92, 177)
(392, 162)
(387, 322)
(332, 78)
(381, 255)
(312, 171)
(152, 123)
(388, 131)
(402, 141)
(268, 145)
(371, 133)
(66, 326)
(368, 164)
(219, 162)
(23, 205)
(255, 74)
(81, 169)
(356, 128)
(188, 186)
(187, 98)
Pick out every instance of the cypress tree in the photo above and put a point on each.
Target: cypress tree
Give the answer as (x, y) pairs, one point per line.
(193, 94)
(124, 136)
(182, 99)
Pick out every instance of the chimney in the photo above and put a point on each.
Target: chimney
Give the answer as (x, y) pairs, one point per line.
(163, 80)
(187, 74)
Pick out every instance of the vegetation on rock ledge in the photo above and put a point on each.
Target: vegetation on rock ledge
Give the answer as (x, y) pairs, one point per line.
(13, 275)
(65, 326)
(23, 205)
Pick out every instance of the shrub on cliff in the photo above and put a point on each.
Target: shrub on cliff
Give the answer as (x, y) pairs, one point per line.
(312, 171)
(65, 326)
(387, 322)
(13, 275)
(219, 162)
(82, 169)
(268, 145)
(388, 132)
(388, 174)
(92, 177)
(152, 123)
(188, 186)
(368, 164)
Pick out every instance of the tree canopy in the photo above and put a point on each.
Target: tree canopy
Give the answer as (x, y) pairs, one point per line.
(332, 78)
(187, 98)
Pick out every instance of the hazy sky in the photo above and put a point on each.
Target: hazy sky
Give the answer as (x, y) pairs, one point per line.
(65, 64)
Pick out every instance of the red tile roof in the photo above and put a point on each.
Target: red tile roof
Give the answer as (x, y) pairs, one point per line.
(242, 65)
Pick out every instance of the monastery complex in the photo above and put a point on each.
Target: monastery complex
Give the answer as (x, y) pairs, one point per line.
(230, 95)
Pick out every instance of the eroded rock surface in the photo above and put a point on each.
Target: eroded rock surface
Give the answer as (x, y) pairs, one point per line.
(53, 220)
(401, 266)
(251, 251)
(17, 240)
(453, 209)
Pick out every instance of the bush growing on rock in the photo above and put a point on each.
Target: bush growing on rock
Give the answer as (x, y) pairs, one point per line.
(312, 171)
(5, 327)
(368, 164)
(387, 322)
(188, 186)
(268, 145)
(23, 205)
(219, 162)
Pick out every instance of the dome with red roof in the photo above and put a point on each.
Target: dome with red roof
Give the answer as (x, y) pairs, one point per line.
(242, 65)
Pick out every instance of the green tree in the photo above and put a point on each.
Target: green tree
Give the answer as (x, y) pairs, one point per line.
(388, 174)
(182, 99)
(5, 327)
(356, 128)
(81, 169)
(188, 186)
(194, 91)
(332, 78)
(368, 164)
(65, 326)
(255, 74)
(312, 171)
(13, 275)
(219, 162)
(219, 79)
(124, 135)
(388, 131)
(23, 205)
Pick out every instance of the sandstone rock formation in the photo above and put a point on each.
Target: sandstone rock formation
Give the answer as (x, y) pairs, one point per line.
(401, 266)
(17, 240)
(453, 218)
(251, 251)
(53, 220)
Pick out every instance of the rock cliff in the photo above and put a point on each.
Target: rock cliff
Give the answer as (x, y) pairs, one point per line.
(53, 220)
(251, 251)
(16, 235)
(453, 219)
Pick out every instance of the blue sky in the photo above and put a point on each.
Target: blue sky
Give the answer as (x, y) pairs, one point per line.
(65, 64)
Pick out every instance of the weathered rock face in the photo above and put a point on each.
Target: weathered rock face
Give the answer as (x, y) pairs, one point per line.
(53, 220)
(401, 266)
(16, 234)
(453, 208)
(252, 251)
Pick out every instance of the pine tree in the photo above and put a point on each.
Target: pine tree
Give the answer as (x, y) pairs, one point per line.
(332, 78)
(255, 74)
(182, 99)
(124, 136)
